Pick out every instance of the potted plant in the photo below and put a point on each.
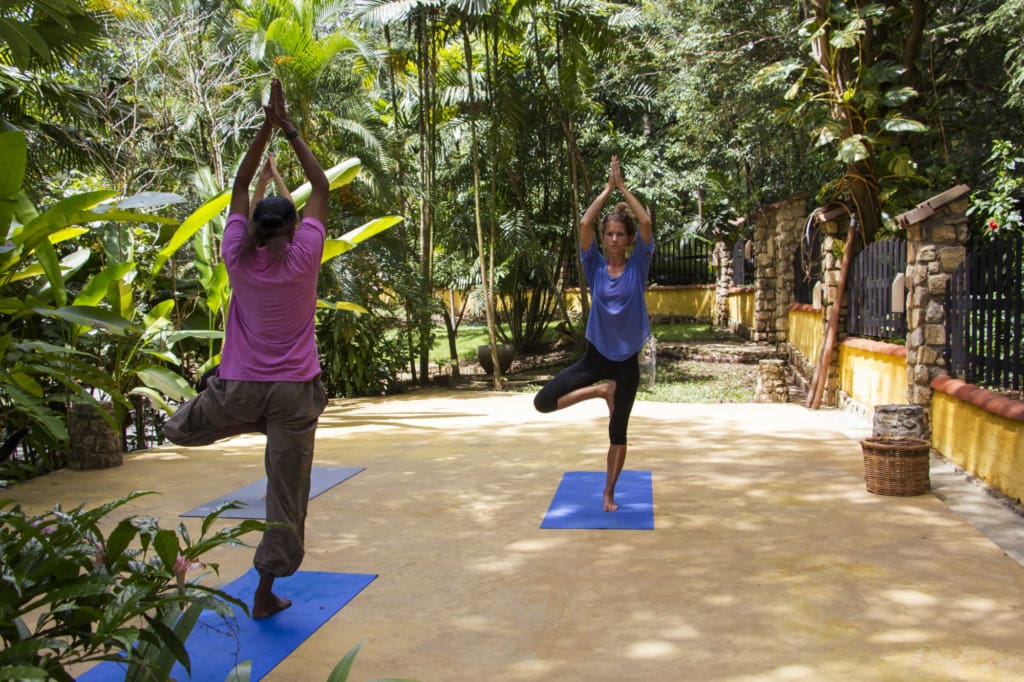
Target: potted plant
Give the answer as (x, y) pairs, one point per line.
(506, 353)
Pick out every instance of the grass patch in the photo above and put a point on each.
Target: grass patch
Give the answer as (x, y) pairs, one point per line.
(469, 336)
(685, 381)
(691, 332)
(678, 381)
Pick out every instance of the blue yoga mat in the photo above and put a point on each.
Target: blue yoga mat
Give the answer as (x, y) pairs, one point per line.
(251, 496)
(578, 502)
(216, 646)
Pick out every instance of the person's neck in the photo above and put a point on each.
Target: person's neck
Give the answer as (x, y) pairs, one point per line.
(616, 261)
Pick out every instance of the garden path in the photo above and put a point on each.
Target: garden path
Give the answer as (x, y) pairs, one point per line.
(769, 560)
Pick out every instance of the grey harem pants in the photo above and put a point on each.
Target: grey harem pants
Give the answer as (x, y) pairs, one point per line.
(288, 413)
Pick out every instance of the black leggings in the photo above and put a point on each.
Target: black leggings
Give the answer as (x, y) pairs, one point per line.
(593, 367)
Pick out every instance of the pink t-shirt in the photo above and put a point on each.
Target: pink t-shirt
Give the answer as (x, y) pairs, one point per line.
(271, 333)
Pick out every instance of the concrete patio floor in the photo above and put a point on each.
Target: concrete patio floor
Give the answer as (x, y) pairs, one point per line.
(769, 560)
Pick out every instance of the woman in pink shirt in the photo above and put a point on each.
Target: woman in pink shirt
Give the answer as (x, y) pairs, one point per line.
(269, 374)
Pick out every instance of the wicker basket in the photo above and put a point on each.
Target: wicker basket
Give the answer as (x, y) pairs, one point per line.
(896, 466)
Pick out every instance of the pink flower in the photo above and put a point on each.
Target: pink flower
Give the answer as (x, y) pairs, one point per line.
(993, 225)
(181, 567)
(44, 530)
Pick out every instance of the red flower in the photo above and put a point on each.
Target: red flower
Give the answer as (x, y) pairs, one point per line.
(993, 224)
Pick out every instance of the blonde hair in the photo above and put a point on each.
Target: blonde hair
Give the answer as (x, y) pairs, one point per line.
(621, 214)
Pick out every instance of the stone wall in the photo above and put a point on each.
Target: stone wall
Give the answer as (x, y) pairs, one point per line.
(722, 260)
(937, 231)
(777, 231)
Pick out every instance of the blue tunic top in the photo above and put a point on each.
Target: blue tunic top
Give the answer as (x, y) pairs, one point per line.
(618, 326)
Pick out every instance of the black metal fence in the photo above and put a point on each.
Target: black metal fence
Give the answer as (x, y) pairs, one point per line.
(742, 266)
(673, 263)
(806, 267)
(984, 304)
(871, 278)
(687, 262)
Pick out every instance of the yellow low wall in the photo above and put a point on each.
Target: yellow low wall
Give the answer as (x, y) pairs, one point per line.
(988, 442)
(740, 308)
(667, 301)
(873, 372)
(806, 332)
(683, 301)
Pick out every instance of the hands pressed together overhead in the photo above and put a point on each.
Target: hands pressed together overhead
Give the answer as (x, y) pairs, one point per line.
(275, 108)
(615, 178)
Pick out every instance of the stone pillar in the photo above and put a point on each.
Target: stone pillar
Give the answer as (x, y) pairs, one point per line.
(900, 421)
(772, 386)
(764, 279)
(94, 444)
(723, 282)
(777, 231)
(937, 231)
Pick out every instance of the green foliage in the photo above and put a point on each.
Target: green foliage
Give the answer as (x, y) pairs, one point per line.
(120, 596)
(46, 362)
(999, 208)
(359, 356)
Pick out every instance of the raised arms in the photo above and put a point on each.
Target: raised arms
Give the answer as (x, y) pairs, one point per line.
(616, 181)
(589, 218)
(267, 173)
(277, 114)
(642, 216)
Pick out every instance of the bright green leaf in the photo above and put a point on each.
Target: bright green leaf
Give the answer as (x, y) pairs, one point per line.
(90, 316)
(898, 124)
(341, 305)
(897, 97)
(156, 399)
(352, 238)
(852, 149)
(95, 289)
(166, 381)
(27, 383)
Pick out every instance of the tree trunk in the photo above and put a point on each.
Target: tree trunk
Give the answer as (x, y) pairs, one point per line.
(427, 136)
(820, 377)
(486, 269)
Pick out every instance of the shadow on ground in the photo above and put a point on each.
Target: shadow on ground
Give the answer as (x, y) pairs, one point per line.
(769, 560)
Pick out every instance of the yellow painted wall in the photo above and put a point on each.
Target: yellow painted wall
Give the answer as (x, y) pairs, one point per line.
(984, 444)
(806, 333)
(740, 308)
(696, 302)
(872, 378)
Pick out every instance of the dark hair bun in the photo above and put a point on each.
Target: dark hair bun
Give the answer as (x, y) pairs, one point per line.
(273, 218)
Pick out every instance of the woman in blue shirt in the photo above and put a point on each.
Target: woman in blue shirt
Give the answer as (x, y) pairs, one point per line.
(617, 327)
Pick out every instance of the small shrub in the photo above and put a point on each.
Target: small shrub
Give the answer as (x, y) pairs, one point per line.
(119, 597)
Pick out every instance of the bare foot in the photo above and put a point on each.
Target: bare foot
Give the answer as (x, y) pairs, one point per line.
(609, 397)
(264, 607)
(609, 504)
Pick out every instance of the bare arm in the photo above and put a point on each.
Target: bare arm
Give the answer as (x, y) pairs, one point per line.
(316, 205)
(282, 189)
(247, 169)
(642, 216)
(261, 183)
(590, 215)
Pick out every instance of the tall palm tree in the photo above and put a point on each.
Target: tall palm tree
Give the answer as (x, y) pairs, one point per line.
(39, 42)
(304, 42)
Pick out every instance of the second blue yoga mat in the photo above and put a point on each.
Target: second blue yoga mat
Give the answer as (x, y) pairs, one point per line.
(578, 502)
(215, 647)
(253, 506)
